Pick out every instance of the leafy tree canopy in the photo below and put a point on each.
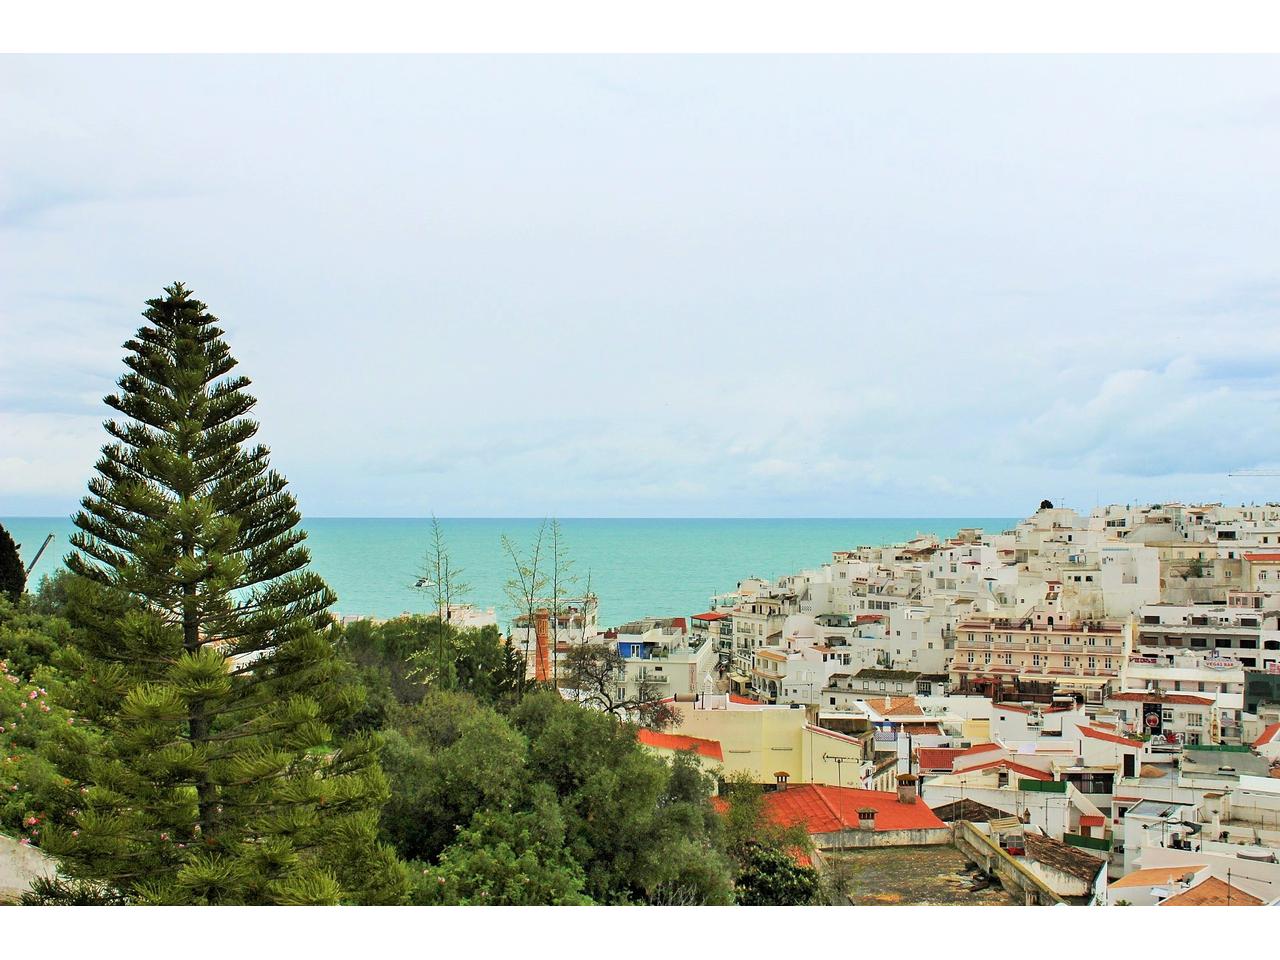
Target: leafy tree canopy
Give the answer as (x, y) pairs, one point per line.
(13, 575)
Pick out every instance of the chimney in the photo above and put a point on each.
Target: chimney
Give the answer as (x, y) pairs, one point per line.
(542, 637)
(907, 787)
(867, 818)
(781, 777)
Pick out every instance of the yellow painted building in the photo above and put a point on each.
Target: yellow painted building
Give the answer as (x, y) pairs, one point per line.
(764, 741)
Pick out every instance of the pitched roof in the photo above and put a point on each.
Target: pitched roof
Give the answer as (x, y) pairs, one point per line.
(1262, 557)
(902, 706)
(936, 758)
(1268, 735)
(826, 809)
(917, 728)
(675, 741)
(1095, 734)
(1156, 876)
(1062, 856)
(979, 748)
(710, 615)
(1212, 892)
(1018, 768)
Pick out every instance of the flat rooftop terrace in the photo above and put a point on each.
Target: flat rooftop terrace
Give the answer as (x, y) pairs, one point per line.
(912, 876)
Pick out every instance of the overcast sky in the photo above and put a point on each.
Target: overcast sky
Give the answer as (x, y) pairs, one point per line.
(717, 286)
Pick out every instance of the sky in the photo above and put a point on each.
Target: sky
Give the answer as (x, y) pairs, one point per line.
(663, 286)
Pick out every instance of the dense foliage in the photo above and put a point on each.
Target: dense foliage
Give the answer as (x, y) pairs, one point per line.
(33, 793)
(182, 722)
(553, 797)
(13, 575)
(204, 653)
(766, 856)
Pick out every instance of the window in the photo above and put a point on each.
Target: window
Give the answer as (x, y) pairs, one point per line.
(1093, 663)
(1166, 714)
(1194, 719)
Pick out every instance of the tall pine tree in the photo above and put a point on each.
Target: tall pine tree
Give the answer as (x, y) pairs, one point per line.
(217, 686)
(13, 575)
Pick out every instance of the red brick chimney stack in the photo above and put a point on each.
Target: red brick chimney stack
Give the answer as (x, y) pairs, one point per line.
(542, 638)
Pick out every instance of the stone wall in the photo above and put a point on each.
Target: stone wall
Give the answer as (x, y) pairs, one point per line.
(19, 865)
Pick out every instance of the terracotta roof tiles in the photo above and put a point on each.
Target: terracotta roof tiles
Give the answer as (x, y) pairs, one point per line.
(674, 741)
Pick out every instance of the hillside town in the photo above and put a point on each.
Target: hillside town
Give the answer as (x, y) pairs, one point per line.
(1084, 709)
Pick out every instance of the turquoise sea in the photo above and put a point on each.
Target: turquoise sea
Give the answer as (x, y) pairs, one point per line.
(638, 567)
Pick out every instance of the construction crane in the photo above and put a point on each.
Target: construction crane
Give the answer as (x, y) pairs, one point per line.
(36, 559)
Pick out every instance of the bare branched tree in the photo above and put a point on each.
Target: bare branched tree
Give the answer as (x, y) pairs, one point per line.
(562, 578)
(442, 581)
(527, 582)
(597, 671)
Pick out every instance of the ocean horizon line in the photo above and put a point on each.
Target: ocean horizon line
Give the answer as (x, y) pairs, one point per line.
(335, 516)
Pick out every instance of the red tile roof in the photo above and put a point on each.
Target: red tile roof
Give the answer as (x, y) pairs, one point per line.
(710, 615)
(1263, 557)
(674, 741)
(979, 748)
(1111, 737)
(1093, 820)
(826, 809)
(1212, 892)
(734, 698)
(1268, 735)
(900, 706)
(1012, 767)
(1155, 876)
(870, 617)
(936, 758)
(917, 729)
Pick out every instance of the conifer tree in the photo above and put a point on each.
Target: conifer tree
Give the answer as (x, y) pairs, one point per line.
(215, 684)
(13, 575)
